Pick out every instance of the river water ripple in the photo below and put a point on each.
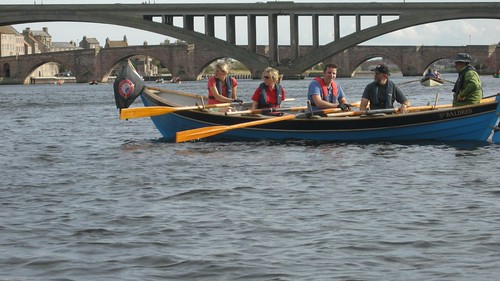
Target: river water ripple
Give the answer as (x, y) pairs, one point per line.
(86, 196)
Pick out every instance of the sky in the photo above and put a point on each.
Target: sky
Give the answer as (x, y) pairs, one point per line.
(447, 33)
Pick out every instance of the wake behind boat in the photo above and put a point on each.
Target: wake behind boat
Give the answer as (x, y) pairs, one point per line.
(182, 117)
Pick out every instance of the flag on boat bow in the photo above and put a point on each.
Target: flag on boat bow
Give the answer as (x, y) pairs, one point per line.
(128, 86)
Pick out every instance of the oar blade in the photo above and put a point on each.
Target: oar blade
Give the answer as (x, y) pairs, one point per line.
(148, 111)
(199, 133)
(214, 130)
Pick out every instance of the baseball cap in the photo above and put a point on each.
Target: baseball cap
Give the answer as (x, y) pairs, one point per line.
(382, 68)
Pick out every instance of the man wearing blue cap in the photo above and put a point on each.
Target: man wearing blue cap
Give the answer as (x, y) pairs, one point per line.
(468, 88)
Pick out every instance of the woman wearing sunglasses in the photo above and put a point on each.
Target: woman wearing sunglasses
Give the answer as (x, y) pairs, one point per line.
(270, 93)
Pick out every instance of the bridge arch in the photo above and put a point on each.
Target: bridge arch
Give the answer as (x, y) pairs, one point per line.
(28, 72)
(6, 70)
(143, 17)
(376, 54)
(427, 63)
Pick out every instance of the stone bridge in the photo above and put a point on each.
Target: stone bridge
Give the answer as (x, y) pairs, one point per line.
(189, 61)
(161, 18)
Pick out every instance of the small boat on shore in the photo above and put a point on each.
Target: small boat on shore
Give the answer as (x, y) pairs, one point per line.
(430, 81)
(183, 117)
(497, 74)
(93, 82)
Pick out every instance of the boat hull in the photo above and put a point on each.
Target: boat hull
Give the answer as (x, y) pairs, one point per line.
(469, 123)
(431, 82)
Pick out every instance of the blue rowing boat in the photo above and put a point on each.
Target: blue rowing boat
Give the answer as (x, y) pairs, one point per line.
(187, 118)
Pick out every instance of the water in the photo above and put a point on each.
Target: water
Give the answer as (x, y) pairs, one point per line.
(86, 196)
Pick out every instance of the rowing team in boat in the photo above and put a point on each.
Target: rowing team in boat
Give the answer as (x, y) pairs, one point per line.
(325, 93)
(433, 74)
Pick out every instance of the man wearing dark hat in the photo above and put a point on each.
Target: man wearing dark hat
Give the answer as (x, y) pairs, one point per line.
(468, 88)
(382, 93)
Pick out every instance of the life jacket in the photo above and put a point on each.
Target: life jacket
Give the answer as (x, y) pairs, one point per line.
(375, 103)
(263, 96)
(459, 84)
(324, 88)
(229, 88)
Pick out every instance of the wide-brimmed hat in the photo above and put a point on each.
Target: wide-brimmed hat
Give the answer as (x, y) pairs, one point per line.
(463, 57)
(382, 68)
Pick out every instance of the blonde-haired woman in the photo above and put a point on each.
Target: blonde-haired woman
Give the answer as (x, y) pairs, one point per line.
(270, 93)
(221, 87)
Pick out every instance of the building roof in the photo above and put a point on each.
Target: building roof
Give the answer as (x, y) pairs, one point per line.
(40, 33)
(9, 30)
(90, 40)
(64, 45)
(115, 44)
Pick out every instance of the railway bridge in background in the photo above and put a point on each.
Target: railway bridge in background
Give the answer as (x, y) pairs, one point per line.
(189, 61)
(162, 18)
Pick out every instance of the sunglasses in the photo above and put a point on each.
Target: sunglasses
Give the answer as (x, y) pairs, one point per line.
(266, 77)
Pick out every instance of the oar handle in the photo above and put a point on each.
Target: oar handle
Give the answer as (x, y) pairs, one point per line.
(319, 112)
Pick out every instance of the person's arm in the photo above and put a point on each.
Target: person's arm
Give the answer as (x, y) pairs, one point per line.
(283, 96)
(314, 93)
(255, 99)
(364, 104)
(217, 96)
(403, 100)
(235, 87)
(321, 103)
(342, 100)
(235, 92)
(471, 84)
(365, 98)
(404, 107)
(254, 105)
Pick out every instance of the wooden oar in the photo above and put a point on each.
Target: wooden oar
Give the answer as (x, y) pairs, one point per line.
(419, 108)
(148, 111)
(194, 95)
(267, 110)
(408, 82)
(427, 107)
(321, 112)
(364, 112)
(177, 92)
(215, 130)
(298, 108)
(388, 110)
